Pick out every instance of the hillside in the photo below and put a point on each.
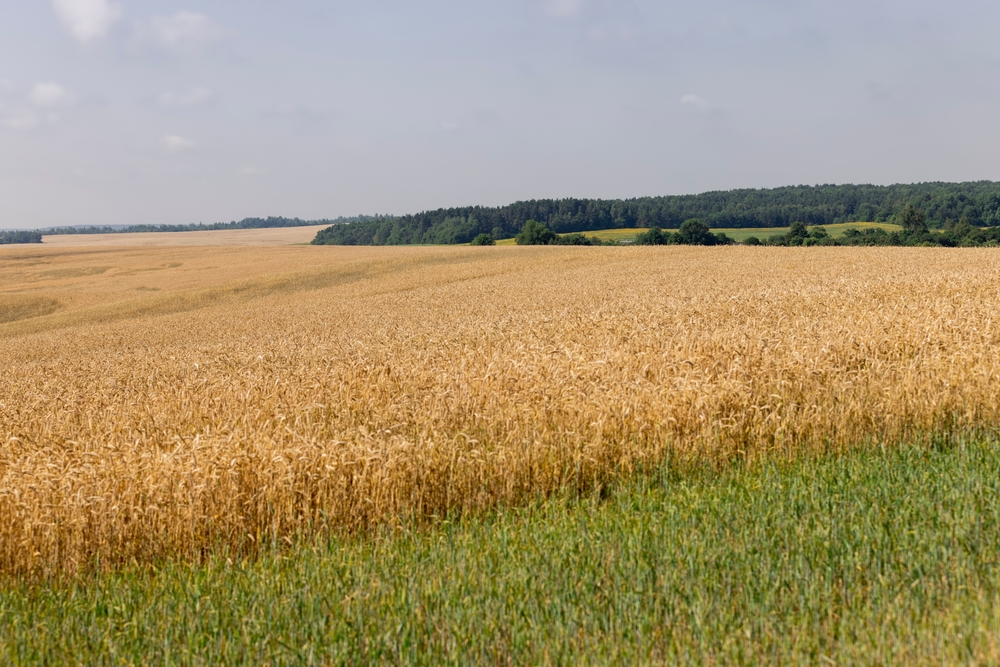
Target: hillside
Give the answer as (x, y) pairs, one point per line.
(978, 202)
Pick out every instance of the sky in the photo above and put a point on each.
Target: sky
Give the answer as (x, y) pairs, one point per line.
(167, 112)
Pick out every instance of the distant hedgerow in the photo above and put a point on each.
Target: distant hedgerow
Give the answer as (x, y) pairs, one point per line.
(7, 238)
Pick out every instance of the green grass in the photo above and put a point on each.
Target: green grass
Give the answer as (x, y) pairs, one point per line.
(871, 558)
(737, 234)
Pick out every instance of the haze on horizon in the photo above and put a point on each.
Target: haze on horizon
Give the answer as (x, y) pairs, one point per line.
(171, 112)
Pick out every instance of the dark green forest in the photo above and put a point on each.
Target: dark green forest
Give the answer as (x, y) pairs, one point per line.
(7, 238)
(977, 203)
(245, 223)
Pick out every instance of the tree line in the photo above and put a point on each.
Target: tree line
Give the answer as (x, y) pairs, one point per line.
(691, 232)
(977, 202)
(7, 238)
(914, 232)
(245, 223)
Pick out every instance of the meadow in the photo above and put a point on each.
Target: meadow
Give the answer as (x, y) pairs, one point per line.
(178, 403)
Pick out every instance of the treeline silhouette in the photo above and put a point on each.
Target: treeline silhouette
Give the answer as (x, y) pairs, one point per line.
(245, 223)
(7, 238)
(977, 202)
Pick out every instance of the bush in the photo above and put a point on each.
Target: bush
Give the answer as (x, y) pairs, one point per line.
(574, 239)
(483, 239)
(655, 236)
(800, 235)
(751, 240)
(692, 232)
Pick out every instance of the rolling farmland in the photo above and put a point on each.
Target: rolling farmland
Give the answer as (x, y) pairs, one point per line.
(268, 236)
(174, 402)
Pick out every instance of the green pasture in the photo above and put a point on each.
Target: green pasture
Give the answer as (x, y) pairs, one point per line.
(881, 557)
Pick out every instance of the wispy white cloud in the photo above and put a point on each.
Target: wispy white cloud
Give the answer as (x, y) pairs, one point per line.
(191, 98)
(184, 32)
(173, 143)
(564, 8)
(87, 20)
(49, 94)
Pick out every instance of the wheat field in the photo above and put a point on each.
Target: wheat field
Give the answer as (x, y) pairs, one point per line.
(175, 402)
(267, 236)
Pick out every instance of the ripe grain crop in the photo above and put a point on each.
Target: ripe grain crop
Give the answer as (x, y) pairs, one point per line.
(268, 236)
(186, 401)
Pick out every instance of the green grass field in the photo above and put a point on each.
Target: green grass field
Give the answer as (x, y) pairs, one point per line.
(867, 558)
(628, 235)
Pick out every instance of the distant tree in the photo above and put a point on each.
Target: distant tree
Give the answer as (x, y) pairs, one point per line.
(483, 239)
(751, 240)
(20, 237)
(534, 233)
(695, 232)
(913, 219)
(797, 230)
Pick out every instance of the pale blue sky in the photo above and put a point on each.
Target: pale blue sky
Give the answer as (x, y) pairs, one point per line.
(118, 111)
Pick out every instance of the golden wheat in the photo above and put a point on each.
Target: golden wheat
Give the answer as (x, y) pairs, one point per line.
(187, 409)
(267, 236)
